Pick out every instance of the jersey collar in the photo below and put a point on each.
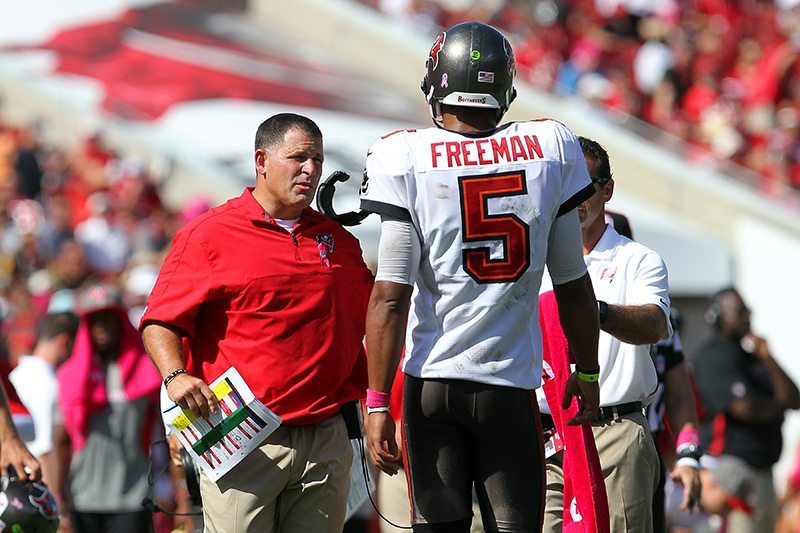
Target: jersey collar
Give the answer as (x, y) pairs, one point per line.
(255, 213)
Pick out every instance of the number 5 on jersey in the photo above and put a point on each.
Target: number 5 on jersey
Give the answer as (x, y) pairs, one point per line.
(478, 225)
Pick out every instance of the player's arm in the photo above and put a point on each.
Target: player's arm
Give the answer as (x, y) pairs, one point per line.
(680, 404)
(12, 450)
(163, 345)
(399, 251)
(62, 451)
(577, 310)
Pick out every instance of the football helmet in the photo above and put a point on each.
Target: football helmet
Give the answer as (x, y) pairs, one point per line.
(27, 506)
(471, 65)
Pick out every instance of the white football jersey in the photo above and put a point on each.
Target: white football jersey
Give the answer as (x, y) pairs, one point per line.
(483, 206)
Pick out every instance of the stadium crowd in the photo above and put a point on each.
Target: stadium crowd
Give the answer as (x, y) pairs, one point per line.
(721, 76)
(73, 220)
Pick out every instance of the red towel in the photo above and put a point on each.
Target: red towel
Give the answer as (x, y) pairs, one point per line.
(585, 501)
(81, 380)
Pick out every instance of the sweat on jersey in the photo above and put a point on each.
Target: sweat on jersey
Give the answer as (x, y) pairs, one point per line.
(483, 206)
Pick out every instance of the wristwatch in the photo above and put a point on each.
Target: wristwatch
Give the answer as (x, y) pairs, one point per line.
(602, 311)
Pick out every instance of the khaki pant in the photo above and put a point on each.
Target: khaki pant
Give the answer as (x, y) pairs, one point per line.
(296, 482)
(630, 470)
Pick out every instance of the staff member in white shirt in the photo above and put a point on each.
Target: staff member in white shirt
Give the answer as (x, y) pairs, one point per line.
(630, 283)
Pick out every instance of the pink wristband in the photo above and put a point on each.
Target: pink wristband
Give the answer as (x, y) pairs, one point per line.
(377, 398)
(687, 437)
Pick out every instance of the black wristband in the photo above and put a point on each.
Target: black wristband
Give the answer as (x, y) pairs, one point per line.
(602, 311)
(691, 451)
(173, 375)
(587, 371)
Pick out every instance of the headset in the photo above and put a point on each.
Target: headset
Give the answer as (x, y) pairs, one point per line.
(325, 201)
(713, 314)
(192, 474)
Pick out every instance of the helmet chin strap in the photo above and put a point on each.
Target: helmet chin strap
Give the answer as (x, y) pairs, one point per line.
(435, 108)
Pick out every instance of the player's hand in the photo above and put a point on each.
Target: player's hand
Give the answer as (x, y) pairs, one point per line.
(755, 345)
(689, 477)
(588, 395)
(192, 393)
(13, 452)
(383, 449)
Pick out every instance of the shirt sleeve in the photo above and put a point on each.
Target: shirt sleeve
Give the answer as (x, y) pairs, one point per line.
(384, 189)
(564, 251)
(184, 283)
(650, 285)
(577, 185)
(399, 252)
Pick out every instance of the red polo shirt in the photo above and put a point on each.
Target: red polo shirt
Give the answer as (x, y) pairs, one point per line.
(249, 294)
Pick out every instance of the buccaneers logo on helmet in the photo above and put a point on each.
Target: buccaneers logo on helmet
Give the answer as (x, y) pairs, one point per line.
(435, 49)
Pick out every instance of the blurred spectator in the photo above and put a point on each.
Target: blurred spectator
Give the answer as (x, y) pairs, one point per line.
(26, 162)
(34, 379)
(727, 486)
(69, 268)
(55, 229)
(106, 244)
(61, 301)
(139, 281)
(108, 397)
(745, 394)
(666, 62)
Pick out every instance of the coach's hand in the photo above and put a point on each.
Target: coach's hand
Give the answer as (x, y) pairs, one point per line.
(588, 394)
(192, 393)
(383, 449)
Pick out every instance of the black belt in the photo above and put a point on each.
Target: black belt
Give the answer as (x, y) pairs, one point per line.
(615, 411)
(603, 413)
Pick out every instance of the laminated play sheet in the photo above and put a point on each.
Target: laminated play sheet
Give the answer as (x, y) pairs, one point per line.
(220, 442)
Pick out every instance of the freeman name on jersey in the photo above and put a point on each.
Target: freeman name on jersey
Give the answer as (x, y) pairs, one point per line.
(474, 152)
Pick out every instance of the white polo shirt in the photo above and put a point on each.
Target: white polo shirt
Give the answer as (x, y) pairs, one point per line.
(624, 272)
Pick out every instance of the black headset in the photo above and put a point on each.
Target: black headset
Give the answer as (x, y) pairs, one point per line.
(192, 473)
(325, 193)
(713, 314)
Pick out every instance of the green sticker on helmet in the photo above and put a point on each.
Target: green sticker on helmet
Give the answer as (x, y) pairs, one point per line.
(475, 55)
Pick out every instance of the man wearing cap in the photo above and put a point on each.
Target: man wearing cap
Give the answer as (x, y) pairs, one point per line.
(108, 396)
(630, 282)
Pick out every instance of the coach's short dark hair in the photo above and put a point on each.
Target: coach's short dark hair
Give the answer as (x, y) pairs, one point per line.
(595, 150)
(54, 324)
(272, 131)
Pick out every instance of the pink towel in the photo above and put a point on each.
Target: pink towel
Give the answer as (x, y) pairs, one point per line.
(585, 501)
(81, 380)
